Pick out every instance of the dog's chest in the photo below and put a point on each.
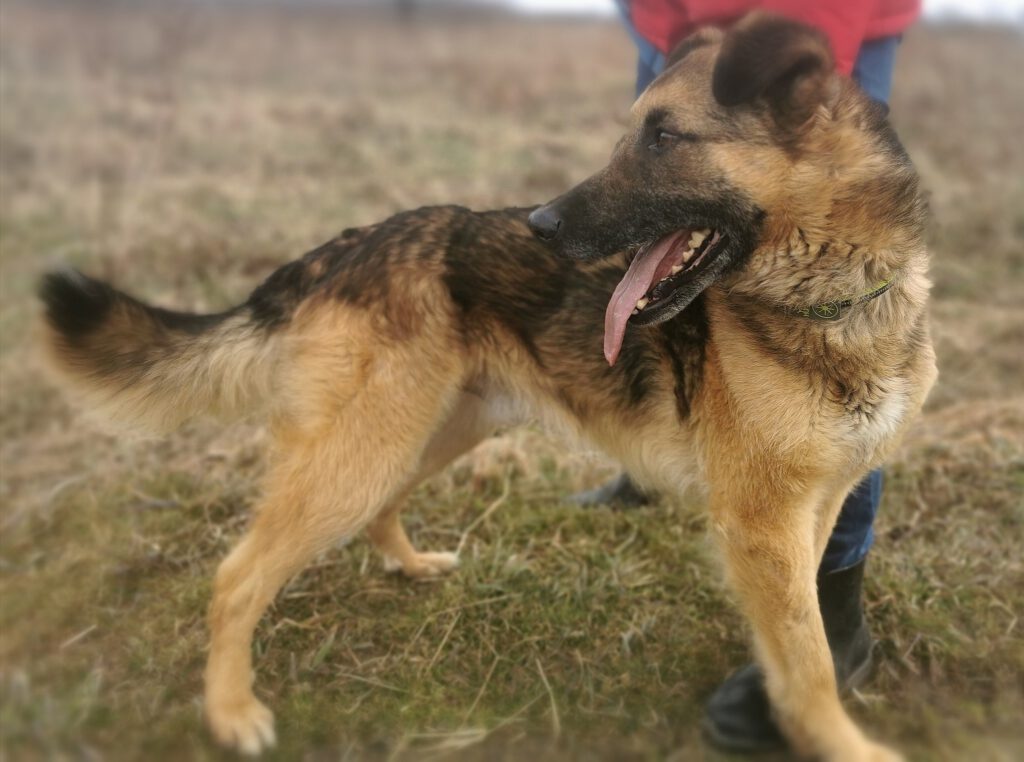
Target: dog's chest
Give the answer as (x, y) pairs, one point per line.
(872, 412)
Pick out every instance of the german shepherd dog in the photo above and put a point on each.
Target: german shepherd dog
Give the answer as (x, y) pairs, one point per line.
(738, 298)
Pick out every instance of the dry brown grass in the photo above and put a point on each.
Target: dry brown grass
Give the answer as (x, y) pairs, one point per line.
(185, 152)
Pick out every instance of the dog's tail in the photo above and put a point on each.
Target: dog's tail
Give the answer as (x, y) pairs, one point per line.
(153, 367)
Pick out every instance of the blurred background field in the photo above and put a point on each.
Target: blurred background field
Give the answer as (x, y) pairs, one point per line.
(184, 151)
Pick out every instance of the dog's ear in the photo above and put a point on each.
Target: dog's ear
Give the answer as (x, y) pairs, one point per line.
(785, 63)
(708, 35)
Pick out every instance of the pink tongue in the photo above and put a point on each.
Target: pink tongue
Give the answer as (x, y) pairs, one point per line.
(644, 271)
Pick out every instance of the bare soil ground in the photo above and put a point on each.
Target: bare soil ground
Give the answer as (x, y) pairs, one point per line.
(184, 153)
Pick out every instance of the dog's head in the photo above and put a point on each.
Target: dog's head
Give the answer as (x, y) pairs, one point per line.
(714, 146)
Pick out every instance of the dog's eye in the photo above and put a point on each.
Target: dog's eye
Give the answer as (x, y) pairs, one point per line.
(664, 139)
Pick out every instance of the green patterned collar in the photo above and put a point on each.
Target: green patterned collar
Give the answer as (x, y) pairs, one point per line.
(829, 311)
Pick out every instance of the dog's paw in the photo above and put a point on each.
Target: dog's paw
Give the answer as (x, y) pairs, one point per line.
(392, 564)
(427, 565)
(245, 725)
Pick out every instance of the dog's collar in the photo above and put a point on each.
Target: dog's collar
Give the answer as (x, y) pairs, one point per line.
(829, 311)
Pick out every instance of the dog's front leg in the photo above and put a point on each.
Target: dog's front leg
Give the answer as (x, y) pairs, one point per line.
(766, 520)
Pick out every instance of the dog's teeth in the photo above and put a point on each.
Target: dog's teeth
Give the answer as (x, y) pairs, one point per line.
(676, 270)
(697, 237)
(688, 255)
(635, 312)
(641, 303)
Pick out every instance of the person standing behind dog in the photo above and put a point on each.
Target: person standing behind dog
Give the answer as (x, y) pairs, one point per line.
(864, 35)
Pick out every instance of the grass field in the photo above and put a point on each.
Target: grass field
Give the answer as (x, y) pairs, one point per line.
(183, 153)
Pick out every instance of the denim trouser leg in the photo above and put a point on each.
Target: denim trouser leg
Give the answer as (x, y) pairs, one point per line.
(650, 60)
(874, 65)
(645, 74)
(854, 532)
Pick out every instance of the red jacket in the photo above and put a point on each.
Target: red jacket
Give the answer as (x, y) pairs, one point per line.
(847, 23)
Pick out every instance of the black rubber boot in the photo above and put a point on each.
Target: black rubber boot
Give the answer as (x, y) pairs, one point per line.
(738, 716)
(620, 492)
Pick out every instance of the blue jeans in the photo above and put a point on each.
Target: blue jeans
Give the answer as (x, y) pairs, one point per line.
(854, 531)
(873, 68)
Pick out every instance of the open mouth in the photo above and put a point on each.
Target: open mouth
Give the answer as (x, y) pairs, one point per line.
(655, 273)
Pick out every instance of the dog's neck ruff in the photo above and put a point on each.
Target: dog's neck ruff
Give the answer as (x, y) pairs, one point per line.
(834, 310)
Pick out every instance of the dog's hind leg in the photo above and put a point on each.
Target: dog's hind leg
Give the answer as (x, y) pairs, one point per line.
(388, 535)
(299, 517)
(338, 466)
(469, 422)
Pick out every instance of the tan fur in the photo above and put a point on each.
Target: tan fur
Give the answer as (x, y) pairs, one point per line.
(226, 374)
(783, 416)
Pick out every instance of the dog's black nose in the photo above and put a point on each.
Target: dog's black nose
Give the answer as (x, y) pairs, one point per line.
(544, 222)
